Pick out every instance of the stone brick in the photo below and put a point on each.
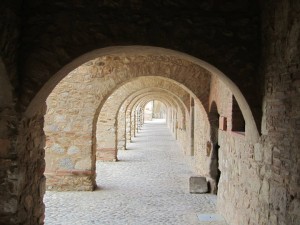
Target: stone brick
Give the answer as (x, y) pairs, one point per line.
(198, 185)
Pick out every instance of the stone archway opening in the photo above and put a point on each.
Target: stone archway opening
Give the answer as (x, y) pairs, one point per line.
(154, 109)
(109, 71)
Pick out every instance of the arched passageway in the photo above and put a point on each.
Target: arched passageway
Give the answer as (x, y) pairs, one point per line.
(148, 185)
(255, 43)
(97, 109)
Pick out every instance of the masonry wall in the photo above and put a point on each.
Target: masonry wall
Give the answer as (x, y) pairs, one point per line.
(280, 139)
(31, 179)
(17, 206)
(266, 173)
(242, 188)
(201, 141)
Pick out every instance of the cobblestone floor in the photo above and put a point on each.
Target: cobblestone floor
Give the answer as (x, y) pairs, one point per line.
(148, 186)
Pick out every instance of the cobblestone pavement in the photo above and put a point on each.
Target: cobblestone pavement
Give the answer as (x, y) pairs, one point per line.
(149, 185)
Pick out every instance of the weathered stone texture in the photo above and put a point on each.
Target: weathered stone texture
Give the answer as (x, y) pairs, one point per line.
(68, 125)
(201, 137)
(282, 108)
(240, 181)
(31, 167)
(76, 101)
(198, 185)
(70, 180)
(9, 117)
(227, 37)
(121, 126)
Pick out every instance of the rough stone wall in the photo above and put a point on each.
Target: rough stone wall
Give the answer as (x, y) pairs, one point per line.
(8, 150)
(12, 209)
(241, 189)
(266, 173)
(182, 131)
(30, 178)
(281, 125)
(201, 138)
(206, 131)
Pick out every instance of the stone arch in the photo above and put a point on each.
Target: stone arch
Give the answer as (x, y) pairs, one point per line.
(147, 97)
(126, 107)
(253, 133)
(157, 91)
(126, 63)
(159, 101)
(113, 102)
(135, 101)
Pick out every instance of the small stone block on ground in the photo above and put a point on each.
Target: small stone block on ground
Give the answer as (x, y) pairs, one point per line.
(198, 185)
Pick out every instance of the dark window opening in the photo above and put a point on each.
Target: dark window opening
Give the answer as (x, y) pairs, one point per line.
(238, 122)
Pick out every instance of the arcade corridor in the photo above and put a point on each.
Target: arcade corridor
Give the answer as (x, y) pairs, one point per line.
(75, 79)
(148, 185)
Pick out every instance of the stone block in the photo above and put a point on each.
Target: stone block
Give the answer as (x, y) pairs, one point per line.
(223, 123)
(258, 152)
(198, 185)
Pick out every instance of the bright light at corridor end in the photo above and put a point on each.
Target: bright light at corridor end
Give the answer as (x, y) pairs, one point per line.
(154, 110)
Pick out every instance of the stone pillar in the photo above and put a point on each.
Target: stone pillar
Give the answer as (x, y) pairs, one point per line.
(137, 120)
(128, 126)
(192, 127)
(68, 152)
(133, 123)
(106, 136)
(121, 130)
(140, 118)
(69, 162)
(143, 117)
